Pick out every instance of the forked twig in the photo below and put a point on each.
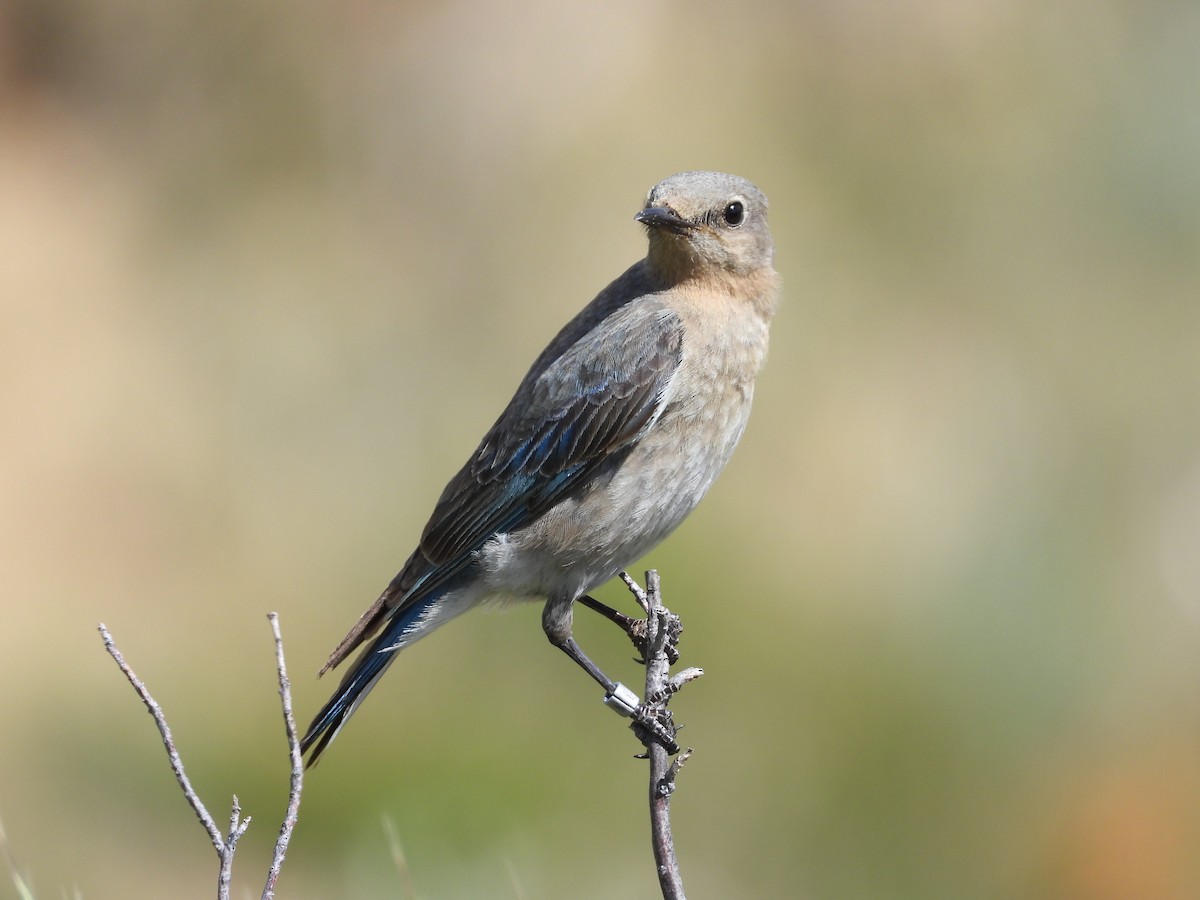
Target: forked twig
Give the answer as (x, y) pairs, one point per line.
(226, 845)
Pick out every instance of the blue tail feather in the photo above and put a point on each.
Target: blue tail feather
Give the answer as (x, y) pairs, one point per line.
(359, 680)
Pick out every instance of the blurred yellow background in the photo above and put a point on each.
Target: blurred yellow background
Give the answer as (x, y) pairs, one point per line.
(268, 270)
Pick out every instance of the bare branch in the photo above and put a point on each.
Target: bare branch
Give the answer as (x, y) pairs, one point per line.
(659, 649)
(237, 827)
(634, 588)
(297, 778)
(226, 845)
(165, 730)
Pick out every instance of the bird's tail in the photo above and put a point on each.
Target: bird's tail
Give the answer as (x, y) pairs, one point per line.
(358, 681)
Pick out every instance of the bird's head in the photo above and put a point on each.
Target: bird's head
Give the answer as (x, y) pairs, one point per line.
(707, 222)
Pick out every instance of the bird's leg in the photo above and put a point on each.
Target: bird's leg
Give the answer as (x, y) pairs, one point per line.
(638, 630)
(635, 629)
(556, 622)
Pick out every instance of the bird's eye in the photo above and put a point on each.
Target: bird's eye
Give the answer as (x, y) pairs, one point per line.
(734, 214)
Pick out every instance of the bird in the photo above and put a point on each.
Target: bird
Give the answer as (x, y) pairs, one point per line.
(611, 439)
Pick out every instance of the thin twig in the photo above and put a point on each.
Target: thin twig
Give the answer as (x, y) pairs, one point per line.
(660, 651)
(662, 785)
(297, 778)
(165, 730)
(226, 845)
(237, 827)
(634, 588)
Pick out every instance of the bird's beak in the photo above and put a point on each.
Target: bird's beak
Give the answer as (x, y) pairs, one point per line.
(663, 217)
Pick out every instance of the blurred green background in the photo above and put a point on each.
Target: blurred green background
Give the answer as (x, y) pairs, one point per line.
(268, 270)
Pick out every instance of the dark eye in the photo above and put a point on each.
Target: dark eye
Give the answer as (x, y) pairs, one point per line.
(734, 214)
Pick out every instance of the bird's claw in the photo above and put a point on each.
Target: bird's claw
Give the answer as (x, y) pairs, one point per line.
(651, 722)
(655, 724)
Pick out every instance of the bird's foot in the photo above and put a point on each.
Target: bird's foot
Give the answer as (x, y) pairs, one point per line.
(638, 630)
(635, 629)
(654, 724)
(656, 638)
(659, 632)
(651, 720)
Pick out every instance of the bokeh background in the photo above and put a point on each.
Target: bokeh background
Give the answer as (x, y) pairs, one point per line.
(268, 270)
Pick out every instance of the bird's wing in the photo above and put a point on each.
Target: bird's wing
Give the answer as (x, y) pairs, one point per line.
(590, 403)
(587, 405)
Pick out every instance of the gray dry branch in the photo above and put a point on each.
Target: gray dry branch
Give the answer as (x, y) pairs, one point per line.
(659, 647)
(226, 845)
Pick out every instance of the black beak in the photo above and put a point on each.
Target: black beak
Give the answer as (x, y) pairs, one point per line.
(665, 218)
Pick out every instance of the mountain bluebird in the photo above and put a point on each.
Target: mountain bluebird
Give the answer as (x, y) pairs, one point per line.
(612, 438)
